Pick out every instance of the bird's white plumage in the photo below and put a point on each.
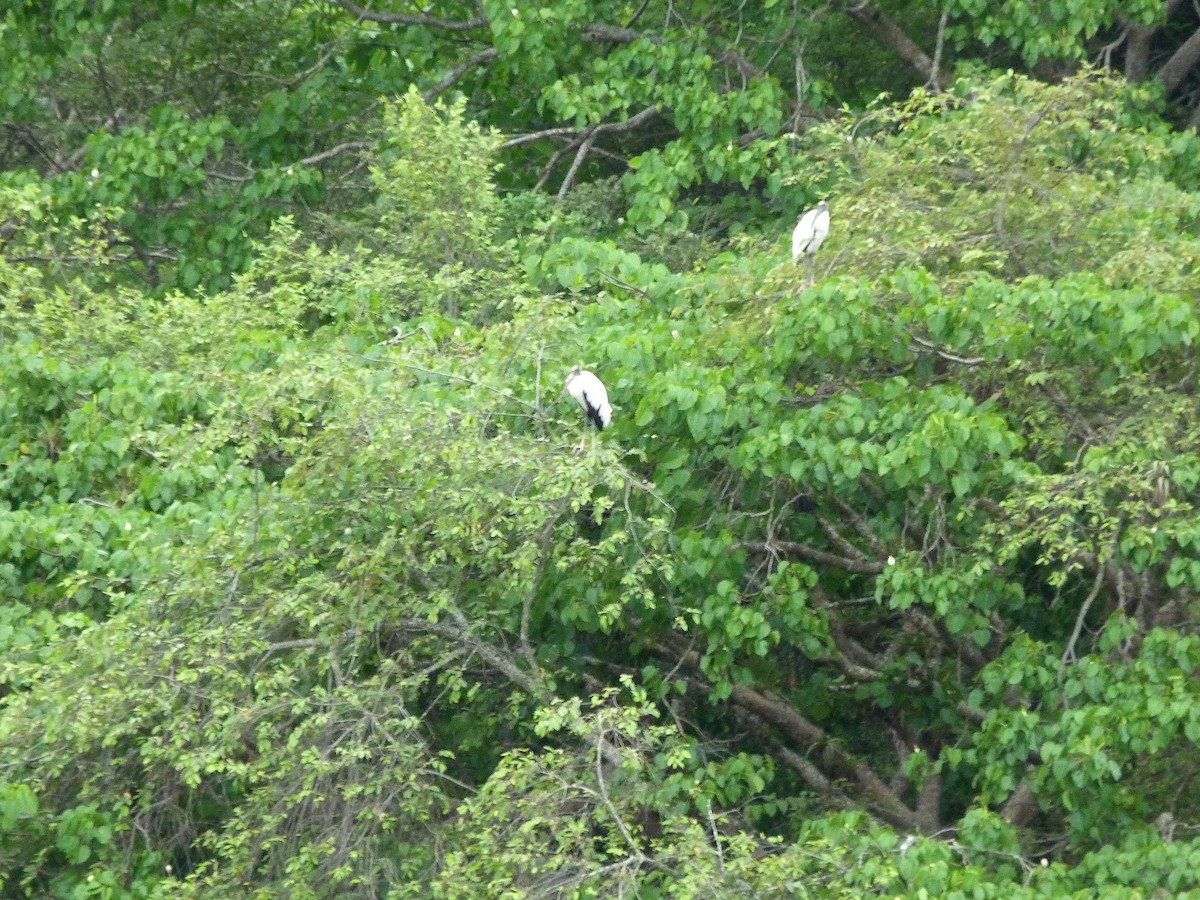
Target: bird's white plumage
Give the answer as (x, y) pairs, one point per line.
(590, 394)
(811, 231)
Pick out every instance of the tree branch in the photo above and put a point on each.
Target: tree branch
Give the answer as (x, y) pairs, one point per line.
(584, 148)
(461, 635)
(390, 18)
(888, 32)
(781, 715)
(839, 540)
(929, 800)
(459, 71)
(346, 147)
(1182, 61)
(562, 131)
(946, 354)
(860, 525)
(583, 139)
(812, 776)
(812, 554)
(1068, 655)
(1021, 807)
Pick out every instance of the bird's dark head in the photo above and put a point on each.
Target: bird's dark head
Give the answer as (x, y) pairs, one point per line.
(822, 206)
(575, 370)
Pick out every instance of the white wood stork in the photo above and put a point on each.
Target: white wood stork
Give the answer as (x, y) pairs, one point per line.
(589, 393)
(810, 232)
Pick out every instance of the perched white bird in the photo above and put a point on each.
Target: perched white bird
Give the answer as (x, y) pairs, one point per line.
(589, 393)
(810, 232)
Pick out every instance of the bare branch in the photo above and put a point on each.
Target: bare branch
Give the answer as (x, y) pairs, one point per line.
(839, 540)
(778, 713)
(347, 147)
(935, 75)
(860, 525)
(946, 354)
(334, 47)
(1068, 655)
(584, 148)
(603, 33)
(799, 729)
(812, 554)
(563, 131)
(635, 121)
(928, 802)
(494, 657)
(583, 139)
(888, 32)
(548, 168)
(603, 754)
(459, 71)
(637, 14)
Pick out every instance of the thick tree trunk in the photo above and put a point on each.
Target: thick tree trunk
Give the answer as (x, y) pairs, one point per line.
(1176, 69)
(1021, 807)
(1137, 47)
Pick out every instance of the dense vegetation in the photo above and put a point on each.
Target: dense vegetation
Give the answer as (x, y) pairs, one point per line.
(884, 581)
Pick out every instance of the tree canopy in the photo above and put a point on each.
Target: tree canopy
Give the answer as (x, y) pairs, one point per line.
(203, 122)
(881, 582)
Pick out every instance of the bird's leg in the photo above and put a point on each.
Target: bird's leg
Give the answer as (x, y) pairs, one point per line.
(582, 438)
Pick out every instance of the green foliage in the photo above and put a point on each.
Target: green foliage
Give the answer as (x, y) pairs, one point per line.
(1059, 29)
(880, 582)
(435, 182)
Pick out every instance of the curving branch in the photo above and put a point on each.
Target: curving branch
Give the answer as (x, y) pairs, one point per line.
(843, 764)
(859, 566)
(561, 131)
(495, 658)
(816, 780)
(459, 71)
(347, 147)
(582, 141)
(945, 354)
(593, 131)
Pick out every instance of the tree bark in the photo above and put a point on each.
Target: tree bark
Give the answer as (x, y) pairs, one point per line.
(843, 764)
(1021, 807)
(1137, 47)
(888, 32)
(1182, 61)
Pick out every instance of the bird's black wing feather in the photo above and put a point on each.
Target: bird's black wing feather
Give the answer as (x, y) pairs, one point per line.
(593, 412)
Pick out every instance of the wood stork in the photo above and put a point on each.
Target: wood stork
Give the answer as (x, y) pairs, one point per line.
(810, 232)
(590, 394)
